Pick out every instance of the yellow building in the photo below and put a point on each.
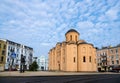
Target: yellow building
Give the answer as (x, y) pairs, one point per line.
(73, 54)
(3, 47)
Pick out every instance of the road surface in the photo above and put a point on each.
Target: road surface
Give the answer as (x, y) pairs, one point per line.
(100, 78)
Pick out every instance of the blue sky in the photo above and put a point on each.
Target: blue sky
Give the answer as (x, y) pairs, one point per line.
(42, 23)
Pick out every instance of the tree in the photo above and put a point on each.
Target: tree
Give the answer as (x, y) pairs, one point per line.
(34, 66)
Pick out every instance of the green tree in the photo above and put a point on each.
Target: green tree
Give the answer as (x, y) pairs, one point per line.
(34, 66)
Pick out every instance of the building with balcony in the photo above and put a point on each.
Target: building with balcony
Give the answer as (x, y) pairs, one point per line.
(102, 59)
(13, 53)
(108, 58)
(73, 54)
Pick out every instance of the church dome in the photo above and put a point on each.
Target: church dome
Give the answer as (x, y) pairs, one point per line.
(71, 30)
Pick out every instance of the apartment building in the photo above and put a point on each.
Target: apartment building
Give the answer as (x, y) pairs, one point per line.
(13, 53)
(108, 58)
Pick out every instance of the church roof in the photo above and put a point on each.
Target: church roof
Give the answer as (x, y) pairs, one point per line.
(71, 30)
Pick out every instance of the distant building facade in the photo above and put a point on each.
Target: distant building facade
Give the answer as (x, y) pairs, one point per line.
(42, 61)
(13, 54)
(108, 58)
(73, 54)
(3, 47)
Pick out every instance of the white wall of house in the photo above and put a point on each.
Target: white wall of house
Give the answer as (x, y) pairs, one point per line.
(42, 61)
(18, 49)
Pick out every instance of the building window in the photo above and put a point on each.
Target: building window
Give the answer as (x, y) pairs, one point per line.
(16, 61)
(116, 50)
(74, 59)
(89, 58)
(112, 57)
(7, 59)
(8, 53)
(117, 61)
(22, 50)
(98, 64)
(76, 37)
(4, 47)
(106, 63)
(12, 49)
(30, 54)
(3, 52)
(117, 57)
(70, 37)
(2, 59)
(8, 47)
(17, 50)
(112, 62)
(84, 60)
(111, 51)
(17, 55)
(24, 57)
(103, 53)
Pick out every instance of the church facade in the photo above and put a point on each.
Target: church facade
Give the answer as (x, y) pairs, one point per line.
(73, 54)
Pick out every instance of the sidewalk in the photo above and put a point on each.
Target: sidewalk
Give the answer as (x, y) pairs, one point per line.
(47, 73)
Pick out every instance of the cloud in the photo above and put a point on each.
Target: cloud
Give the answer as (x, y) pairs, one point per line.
(42, 23)
(85, 24)
(112, 14)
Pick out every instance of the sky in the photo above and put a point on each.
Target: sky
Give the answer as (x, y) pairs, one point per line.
(40, 24)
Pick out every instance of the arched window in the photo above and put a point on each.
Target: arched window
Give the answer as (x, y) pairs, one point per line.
(89, 58)
(84, 59)
(76, 37)
(70, 37)
(90, 49)
(74, 59)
